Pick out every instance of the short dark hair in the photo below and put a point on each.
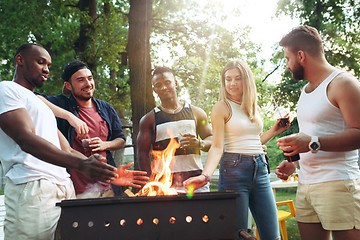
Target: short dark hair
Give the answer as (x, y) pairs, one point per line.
(71, 68)
(161, 70)
(305, 38)
(24, 48)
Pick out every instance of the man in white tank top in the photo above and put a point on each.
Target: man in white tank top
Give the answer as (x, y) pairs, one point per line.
(328, 196)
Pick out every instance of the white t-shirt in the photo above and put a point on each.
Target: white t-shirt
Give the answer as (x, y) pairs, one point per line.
(18, 165)
(317, 116)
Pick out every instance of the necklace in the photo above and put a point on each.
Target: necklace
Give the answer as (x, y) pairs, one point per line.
(172, 111)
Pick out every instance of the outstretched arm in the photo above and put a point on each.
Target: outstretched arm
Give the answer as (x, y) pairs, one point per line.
(18, 125)
(218, 116)
(130, 178)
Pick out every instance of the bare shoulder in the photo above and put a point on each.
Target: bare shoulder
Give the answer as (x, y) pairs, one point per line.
(346, 78)
(344, 82)
(220, 109)
(344, 87)
(197, 111)
(148, 120)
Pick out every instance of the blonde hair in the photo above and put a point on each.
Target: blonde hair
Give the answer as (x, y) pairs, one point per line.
(249, 97)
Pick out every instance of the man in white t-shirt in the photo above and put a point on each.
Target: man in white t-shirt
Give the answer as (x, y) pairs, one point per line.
(31, 153)
(328, 195)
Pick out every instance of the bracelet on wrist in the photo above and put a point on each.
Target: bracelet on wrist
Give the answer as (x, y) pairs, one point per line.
(207, 178)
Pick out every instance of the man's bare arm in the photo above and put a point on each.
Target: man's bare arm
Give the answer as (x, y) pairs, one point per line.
(144, 142)
(203, 127)
(80, 126)
(18, 125)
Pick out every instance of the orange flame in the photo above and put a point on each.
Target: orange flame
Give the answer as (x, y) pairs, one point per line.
(161, 178)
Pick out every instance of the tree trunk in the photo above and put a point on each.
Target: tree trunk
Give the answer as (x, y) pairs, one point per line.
(138, 50)
(85, 46)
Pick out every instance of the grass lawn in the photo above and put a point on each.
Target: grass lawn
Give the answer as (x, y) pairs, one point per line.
(282, 194)
(291, 226)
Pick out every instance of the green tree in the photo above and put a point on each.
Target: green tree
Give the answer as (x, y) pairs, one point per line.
(338, 24)
(105, 33)
(200, 45)
(69, 30)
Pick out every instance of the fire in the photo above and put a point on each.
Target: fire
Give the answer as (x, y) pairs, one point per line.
(161, 179)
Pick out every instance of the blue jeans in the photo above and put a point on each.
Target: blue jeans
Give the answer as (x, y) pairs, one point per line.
(248, 176)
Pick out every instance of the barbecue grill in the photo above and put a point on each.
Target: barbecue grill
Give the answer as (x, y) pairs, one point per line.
(211, 215)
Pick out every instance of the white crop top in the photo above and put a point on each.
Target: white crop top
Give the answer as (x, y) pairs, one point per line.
(241, 135)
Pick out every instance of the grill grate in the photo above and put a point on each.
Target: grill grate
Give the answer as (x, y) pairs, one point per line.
(204, 216)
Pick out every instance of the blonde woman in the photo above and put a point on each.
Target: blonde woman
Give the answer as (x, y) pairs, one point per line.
(237, 142)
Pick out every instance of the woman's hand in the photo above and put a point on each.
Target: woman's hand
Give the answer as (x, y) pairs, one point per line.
(195, 182)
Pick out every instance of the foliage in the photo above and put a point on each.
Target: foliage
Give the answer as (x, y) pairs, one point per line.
(193, 33)
(112, 32)
(338, 24)
(276, 156)
(56, 25)
(200, 46)
(52, 33)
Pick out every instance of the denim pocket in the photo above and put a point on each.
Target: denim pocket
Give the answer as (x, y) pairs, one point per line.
(230, 160)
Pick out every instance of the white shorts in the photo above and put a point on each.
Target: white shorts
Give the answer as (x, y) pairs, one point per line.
(30, 209)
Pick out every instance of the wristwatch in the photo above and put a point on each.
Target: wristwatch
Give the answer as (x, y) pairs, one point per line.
(314, 144)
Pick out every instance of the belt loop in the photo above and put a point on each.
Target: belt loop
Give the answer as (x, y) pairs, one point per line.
(238, 160)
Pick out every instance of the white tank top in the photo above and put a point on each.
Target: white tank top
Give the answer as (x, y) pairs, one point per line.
(241, 135)
(317, 116)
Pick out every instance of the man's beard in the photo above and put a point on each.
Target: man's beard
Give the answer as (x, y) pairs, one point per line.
(83, 98)
(298, 72)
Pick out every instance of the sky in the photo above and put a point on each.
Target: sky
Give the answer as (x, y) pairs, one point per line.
(267, 29)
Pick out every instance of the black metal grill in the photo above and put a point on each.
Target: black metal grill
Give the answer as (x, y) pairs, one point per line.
(204, 216)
